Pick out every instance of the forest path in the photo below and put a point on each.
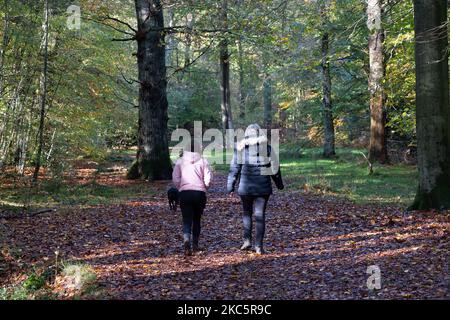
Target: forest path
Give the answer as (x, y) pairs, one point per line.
(317, 248)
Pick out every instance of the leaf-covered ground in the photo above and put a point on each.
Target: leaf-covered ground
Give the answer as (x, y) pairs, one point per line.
(317, 248)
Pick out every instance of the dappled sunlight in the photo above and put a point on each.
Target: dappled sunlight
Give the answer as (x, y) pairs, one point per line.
(134, 247)
(373, 257)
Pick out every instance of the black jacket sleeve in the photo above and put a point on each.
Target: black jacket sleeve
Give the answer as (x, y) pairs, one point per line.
(277, 179)
(235, 171)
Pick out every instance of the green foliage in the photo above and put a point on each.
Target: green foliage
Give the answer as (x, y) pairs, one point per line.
(400, 71)
(347, 177)
(14, 293)
(77, 277)
(34, 281)
(89, 97)
(33, 287)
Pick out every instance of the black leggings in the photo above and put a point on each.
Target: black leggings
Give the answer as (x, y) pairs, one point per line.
(259, 203)
(192, 204)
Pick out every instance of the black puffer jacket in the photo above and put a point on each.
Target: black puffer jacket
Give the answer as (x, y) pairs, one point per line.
(251, 165)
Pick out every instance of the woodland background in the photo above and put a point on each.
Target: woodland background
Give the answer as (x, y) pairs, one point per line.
(358, 89)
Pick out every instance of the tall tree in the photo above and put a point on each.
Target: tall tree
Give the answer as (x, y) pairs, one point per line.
(241, 95)
(227, 121)
(432, 101)
(43, 89)
(152, 159)
(377, 148)
(329, 136)
(3, 44)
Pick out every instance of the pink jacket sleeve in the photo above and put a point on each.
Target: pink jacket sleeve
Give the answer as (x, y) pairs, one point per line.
(176, 175)
(207, 174)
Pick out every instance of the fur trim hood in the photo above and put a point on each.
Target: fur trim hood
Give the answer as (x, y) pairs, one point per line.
(251, 141)
(191, 157)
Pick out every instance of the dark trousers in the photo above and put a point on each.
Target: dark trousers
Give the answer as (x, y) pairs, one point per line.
(192, 204)
(254, 205)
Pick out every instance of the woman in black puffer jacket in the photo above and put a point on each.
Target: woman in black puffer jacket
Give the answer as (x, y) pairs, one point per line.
(253, 163)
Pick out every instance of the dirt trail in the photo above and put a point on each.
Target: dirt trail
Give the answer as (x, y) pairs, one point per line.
(317, 248)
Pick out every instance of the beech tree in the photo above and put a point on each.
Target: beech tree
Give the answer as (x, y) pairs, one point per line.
(152, 159)
(432, 100)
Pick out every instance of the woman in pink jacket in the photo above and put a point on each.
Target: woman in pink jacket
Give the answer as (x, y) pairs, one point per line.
(192, 176)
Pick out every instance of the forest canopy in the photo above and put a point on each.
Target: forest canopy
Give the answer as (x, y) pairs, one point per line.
(274, 49)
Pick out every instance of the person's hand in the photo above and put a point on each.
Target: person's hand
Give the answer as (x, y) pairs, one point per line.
(231, 194)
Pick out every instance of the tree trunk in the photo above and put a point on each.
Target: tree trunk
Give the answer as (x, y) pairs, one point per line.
(3, 45)
(152, 159)
(432, 103)
(267, 97)
(377, 148)
(241, 95)
(329, 144)
(189, 25)
(43, 93)
(227, 121)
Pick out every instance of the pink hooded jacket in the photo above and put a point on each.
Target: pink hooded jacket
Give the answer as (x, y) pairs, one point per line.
(192, 172)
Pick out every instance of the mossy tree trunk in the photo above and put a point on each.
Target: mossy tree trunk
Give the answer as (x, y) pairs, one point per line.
(152, 159)
(432, 102)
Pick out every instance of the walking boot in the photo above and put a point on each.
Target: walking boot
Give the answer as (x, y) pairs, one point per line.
(247, 245)
(187, 249)
(259, 250)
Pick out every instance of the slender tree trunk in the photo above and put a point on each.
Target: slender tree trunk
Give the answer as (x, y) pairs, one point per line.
(284, 127)
(152, 159)
(241, 94)
(4, 45)
(43, 93)
(378, 147)
(227, 121)
(52, 145)
(432, 103)
(189, 25)
(329, 144)
(25, 142)
(267, 101)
